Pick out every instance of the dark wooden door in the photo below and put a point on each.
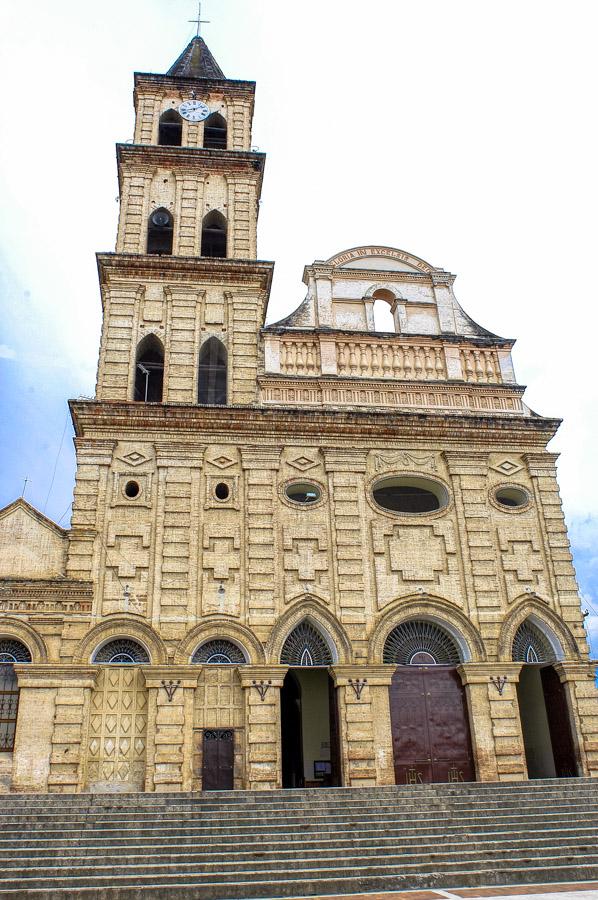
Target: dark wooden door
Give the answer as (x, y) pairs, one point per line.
(218, 760)
(430, 728)
(559, 725)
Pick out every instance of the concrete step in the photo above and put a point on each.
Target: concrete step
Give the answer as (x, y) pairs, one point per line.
(269, 883)
(232, 845)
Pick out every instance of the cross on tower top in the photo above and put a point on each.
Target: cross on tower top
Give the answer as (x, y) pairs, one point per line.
(199, 21)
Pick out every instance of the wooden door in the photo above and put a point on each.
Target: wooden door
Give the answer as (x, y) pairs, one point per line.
(559, 725)
(218, 759)
(335, 744)
(430, 728)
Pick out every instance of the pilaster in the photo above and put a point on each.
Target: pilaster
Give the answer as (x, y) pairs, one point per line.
(51, 727)
(365, 727)
(169, 760)
(261, 685)
(495, 727)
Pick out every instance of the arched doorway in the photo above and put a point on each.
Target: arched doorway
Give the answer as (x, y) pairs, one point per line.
(308, 712)
(428, 709)
(543, 707)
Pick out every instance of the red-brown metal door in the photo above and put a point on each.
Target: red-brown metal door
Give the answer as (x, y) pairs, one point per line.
(557, 710)
(217, 769)
(430, 728)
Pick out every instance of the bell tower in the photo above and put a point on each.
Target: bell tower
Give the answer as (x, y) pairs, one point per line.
(183, 296)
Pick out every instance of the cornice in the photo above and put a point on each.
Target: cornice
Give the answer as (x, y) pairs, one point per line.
(185, 268)
(200, 85)
(459, 340)
(149, 157)
(258, 426)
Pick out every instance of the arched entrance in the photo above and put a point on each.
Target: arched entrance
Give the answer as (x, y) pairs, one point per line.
(543, 707)
(428, 709)
(308, 712)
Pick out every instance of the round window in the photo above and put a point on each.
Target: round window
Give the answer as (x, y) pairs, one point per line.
(132, 489)
(304, 492)
(511, 497)
(410, 495)
(222, 491)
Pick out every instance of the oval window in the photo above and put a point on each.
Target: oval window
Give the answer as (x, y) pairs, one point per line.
(512, 497)
(303, 492)
(412, 496)
(132, 489)
(222, 491)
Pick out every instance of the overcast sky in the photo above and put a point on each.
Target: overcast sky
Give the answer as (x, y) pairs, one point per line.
(463, 132)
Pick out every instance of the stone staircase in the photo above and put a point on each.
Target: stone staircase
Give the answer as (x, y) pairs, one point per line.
(240, 844)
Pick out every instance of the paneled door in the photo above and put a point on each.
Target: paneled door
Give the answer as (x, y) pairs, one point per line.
(430, 729)
(559, 724)
(218, 759)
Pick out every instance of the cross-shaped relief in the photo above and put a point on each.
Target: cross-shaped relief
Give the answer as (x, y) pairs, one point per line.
(127, 558)
(417, 554)
(305, 562)
(523, 561)
(220, 557)
(410, 555)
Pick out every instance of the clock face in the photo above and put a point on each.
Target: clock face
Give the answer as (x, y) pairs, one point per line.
(194, 110)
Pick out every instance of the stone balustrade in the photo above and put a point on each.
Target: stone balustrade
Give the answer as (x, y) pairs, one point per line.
(400, 359)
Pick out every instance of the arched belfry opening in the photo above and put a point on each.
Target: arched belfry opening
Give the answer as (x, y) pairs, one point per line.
(170, 129)
(543, 705)
(214, 132)
(149, 370)
(212, 378)
(160, 232)
(213, 235)
(11, 651)
(428, 708)
(309, 711)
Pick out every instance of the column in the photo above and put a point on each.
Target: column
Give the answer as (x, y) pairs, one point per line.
(495, 726)
(365, 727)
(51, 723)
(171, 694)
(262, 685)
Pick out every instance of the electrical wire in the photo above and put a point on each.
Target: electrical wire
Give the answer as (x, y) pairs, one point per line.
(66, 419)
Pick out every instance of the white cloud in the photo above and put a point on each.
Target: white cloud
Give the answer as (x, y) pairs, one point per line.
(7, 352)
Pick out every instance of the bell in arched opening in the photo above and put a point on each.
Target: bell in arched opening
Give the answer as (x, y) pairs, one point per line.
(160, 232)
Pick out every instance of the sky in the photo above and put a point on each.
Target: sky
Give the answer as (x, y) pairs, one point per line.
(462, 132)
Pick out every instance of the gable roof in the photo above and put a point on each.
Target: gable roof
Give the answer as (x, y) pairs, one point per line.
(20, 503)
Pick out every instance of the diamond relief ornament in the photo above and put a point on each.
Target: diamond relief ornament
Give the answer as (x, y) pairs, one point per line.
(303, 463)
(222, 461)
(507, 467)
(134, 458)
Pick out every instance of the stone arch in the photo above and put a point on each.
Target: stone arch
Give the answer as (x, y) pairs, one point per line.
(327, 624)
(121, 627)
(20, 631)
(552, 627)
(432, 609)
(215, 629)
(374, 288)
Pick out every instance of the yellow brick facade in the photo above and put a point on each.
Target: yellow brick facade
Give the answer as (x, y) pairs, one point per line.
(320, 399)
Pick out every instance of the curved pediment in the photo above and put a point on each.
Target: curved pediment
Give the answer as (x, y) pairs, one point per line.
(377, 258)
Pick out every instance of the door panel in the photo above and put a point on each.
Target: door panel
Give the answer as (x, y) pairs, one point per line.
(430, 729)
(218, 760)
(557, 710)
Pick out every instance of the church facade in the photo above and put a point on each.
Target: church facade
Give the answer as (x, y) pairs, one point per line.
(327, 551)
